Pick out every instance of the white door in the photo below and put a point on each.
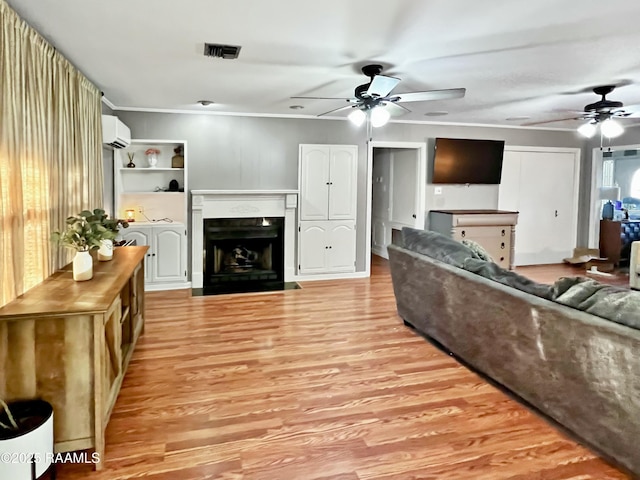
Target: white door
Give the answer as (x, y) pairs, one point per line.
(313, 247)
(404, 188)
(314, 182)
(167, 257)
(343, 170)
(542, 187)
(142, 236)
(342, 246)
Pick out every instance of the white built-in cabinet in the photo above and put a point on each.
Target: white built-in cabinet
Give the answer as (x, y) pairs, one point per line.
(327, 209)
(160, 212)
(166, 260)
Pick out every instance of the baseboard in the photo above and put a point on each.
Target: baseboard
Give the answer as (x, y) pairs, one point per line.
(330, 276)
(157, 287)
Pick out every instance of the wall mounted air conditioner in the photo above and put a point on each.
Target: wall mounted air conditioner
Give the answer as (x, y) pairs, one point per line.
(114, 132)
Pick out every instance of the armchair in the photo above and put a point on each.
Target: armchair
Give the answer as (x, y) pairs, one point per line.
(634, 266)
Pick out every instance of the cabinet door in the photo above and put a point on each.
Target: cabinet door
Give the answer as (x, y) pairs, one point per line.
(313, 247)
(314, 182)
(167, 257)
(343, 169)
(342, 247)
(142, 236)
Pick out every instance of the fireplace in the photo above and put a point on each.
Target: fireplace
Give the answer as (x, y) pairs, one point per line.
(243, 254)
(222, 208)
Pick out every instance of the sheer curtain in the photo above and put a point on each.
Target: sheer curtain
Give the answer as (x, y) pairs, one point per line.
(50, 153)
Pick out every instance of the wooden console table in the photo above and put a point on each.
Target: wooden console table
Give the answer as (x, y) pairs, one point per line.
(70, 343)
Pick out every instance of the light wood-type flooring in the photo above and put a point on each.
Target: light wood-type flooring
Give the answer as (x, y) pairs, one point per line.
(325, 383)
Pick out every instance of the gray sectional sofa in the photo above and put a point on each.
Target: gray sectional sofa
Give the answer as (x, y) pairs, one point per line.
(578, 368)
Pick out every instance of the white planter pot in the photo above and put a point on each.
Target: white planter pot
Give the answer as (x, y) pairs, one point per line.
(82, 266)
(105, 252)
(36, 443)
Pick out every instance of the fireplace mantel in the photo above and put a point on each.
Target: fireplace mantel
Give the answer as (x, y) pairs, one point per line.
(242, 204)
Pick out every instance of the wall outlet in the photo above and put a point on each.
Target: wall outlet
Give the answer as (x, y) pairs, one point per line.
(437, 191)
(140, 209)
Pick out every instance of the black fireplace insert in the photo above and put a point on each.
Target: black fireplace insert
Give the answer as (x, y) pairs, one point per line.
(243, 255)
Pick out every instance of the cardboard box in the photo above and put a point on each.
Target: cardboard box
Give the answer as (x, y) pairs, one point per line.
(590, 257)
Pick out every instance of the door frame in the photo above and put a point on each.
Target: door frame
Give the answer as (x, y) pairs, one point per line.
(421, 193)
(596, 182)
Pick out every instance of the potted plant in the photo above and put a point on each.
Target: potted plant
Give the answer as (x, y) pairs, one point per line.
(84, 232)
(26, 439)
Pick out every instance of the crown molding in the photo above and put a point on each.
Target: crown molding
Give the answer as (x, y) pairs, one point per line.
(313, 117)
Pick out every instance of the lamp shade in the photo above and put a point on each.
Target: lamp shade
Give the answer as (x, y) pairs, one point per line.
(611, 128)
(609, 193)
(357, 117)
(588, 129)
(379, 116)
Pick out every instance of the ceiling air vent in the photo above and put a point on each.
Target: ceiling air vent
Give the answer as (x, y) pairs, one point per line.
(218, 50)
(630, 153)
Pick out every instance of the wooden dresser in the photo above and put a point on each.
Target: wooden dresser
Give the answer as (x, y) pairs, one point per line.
(69, 343)
(494, 230)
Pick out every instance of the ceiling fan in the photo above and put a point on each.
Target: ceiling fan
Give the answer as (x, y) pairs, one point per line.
(601, 113)
(375, 98)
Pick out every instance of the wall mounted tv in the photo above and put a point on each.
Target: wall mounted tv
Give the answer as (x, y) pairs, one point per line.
(459, 160)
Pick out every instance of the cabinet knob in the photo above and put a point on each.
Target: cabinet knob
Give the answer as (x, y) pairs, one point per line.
(463, 233)
(502, 245)
(330, 246)
(502, 259)
(503, 233)
(414, 215)
(153, 254)
(326, 246)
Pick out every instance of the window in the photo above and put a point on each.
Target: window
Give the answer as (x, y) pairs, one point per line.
(634, 191)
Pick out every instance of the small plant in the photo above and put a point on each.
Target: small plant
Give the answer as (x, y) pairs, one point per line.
(12, 424)
(85, 230)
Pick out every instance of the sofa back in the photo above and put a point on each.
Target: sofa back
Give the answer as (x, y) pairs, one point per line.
(577, 368)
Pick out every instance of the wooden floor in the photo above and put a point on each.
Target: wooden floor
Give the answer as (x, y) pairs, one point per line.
(324, 382)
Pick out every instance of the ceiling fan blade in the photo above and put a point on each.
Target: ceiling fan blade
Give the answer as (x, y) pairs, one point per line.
(381, 86)
(395, 109)
(430, 95)
(335, 110)
(628, 111)
(530, 124)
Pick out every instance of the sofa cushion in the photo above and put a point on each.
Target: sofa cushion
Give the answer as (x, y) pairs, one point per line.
(478, 250)
(495, 272)
(612, 303)
(435, 245)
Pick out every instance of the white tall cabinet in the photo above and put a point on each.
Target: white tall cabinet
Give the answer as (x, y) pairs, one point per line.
(327, 209)
(160, 211)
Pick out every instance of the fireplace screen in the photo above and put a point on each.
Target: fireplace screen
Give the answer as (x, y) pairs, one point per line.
(243, 254)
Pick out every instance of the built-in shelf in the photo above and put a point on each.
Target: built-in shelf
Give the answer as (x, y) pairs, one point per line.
(148, 169)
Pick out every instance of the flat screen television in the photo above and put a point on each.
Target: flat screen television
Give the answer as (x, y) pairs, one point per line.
(460, 160)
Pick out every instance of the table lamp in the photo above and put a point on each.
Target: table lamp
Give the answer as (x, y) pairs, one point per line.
(608, 193)
(131, 215)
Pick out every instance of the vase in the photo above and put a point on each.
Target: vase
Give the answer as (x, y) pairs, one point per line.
(33, 439)
(152, 158)
(105, 252)
(82, 266)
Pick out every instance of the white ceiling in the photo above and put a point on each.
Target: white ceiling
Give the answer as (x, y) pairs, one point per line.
(515, 57)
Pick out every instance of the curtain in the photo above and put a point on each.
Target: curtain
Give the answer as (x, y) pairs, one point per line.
(50, 153)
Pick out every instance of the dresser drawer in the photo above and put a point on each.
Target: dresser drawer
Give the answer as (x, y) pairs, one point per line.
(496, 240)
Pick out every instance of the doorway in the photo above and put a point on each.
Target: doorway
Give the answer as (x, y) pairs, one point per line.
(396, 192)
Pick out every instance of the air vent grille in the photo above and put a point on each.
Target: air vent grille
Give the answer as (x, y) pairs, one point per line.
(630, 153)
(217, 50)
